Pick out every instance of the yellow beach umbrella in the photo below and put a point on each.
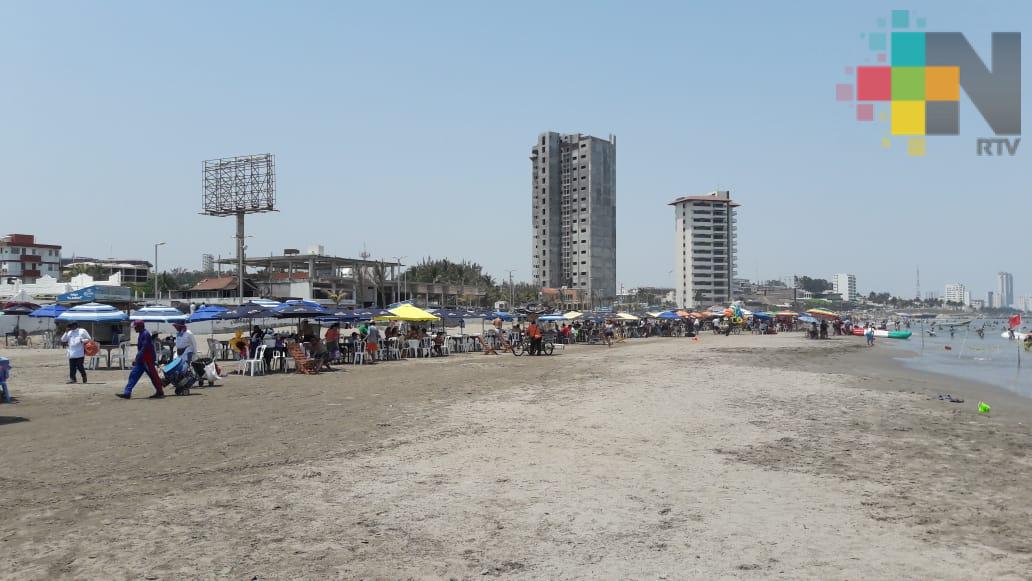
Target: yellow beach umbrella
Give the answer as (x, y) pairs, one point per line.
(409, 312)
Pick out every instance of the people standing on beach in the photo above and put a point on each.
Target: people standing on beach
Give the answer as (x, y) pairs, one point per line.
(144, 363)
(186, 343)
(76, 338)
(372, 341)
(869, 335)
(534, 332)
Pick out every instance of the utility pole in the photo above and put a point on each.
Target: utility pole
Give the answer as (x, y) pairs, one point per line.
(156, 291)
(512, 292)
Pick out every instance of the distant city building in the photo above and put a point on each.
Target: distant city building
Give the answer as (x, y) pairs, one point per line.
(1004, 289)
(967, 298)
(573, 209)
(955, 293)
(931, 296)
(845, 285)
(131, 271)
(977, 304)
(1025, 302)
(704, 249)
(990, 299)
(207, 263)
(22, 258)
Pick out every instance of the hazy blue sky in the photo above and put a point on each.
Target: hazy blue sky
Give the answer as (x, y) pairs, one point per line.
(406, 127)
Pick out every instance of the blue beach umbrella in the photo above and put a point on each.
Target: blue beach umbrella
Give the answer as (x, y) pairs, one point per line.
(158, 314)
(93, 313)
(48, 311)
(208, 313)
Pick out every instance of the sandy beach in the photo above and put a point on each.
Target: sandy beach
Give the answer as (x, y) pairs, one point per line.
(732, 457)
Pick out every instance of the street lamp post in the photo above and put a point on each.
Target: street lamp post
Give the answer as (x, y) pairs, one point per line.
(157, 295)
(397, 287)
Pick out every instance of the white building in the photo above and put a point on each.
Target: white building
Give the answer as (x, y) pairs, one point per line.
(22, 258)
(1004, 289)
(1025, 303)
(48, 287)
(705, 246)
(956, 293)
(845, 285)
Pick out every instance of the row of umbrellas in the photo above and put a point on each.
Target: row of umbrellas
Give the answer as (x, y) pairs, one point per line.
(262, 308)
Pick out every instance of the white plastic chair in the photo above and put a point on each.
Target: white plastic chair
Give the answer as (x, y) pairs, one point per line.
(279, 361)
(121, 355)
(255, 366)
(393, 351)
(360, 353)
(425, 347)
(92, 362)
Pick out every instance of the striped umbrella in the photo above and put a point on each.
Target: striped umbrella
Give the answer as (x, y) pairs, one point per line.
(158, 314)
(93, 313)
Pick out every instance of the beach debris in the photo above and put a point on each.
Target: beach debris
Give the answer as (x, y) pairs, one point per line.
(950, 398)
(983, 408)
(948, 348)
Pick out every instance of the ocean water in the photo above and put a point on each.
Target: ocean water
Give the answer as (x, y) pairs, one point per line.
(992, 359)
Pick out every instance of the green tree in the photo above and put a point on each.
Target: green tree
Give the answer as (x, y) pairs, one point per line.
(814, 285)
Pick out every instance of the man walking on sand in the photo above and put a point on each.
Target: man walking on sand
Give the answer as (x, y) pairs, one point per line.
(144, 363)
(76, 338)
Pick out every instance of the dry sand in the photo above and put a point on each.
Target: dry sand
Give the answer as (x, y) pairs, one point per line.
(741, 456)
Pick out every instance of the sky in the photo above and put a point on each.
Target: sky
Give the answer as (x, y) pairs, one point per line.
(405, 128)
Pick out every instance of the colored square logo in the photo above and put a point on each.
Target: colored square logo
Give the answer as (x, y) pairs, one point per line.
(874, 83)
(908, 83)
(908, 118)
(942, 83)
(908, 49)
(942, 118)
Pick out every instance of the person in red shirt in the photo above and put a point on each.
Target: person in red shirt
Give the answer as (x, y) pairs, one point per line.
(534, 332)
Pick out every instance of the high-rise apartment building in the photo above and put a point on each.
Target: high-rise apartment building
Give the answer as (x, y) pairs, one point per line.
(845, 286)
(573, 208)
(990, 299)
(207, 263)
(956, 293)
(1004, 289)
(705, 249)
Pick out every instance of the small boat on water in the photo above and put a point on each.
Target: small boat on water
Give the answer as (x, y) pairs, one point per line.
(859, 332)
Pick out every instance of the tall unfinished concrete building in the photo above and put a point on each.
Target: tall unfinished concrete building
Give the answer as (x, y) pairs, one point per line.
(573, 208)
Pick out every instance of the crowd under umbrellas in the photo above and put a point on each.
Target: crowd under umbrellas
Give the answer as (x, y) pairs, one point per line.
(409, 329)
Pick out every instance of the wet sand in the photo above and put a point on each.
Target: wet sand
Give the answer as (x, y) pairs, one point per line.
(734, 456)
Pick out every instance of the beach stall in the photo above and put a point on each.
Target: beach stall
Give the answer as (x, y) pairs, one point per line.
(107, 325)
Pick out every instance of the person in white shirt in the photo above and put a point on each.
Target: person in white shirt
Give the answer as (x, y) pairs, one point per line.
(186, 343)
(76, 338)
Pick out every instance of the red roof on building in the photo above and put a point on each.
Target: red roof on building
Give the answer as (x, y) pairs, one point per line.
(217, 283)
